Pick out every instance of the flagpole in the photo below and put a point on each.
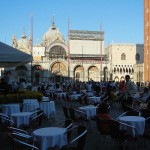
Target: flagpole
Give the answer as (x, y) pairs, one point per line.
(31, 35)
(100, 52)
(68, 49)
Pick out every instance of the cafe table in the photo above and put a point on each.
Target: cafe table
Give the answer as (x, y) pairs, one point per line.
(8, 109)
(50, 137)
(136, 121)
(21, 118)
(90, 110)
(48, 108)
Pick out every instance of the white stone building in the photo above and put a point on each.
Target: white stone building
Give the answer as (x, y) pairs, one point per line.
(124, 59)
(83, 57)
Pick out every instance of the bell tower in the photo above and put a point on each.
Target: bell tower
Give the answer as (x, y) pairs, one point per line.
(146, 40)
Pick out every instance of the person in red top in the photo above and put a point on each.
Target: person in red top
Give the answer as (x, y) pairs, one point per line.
(103, 111)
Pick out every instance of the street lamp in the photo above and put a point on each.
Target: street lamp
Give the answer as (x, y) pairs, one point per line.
(139, 75)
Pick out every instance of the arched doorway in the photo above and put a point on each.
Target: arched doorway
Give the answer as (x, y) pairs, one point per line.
(79, 73)
(93, 73)
(21, 72)
(59, 71)
(37, 73)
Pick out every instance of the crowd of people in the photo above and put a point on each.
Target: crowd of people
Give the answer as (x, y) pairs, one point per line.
(110, 88)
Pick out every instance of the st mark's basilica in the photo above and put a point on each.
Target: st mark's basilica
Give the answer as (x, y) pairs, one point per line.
(83, 56)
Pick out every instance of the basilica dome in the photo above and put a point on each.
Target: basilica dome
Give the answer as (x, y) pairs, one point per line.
(23, 43)
(52, 34)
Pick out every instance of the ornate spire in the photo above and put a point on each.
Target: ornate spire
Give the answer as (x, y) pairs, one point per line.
(53, 24)
(13, 37)
(23, 36)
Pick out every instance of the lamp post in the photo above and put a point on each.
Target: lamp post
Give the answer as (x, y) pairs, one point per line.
(82, 64)
(139, 74)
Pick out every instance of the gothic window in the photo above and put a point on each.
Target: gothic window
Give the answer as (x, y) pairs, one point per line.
(120, 70)
(123, 56)
(124, 70)
(57, 52)
(129, 70)
(114, 70)
(137, 56)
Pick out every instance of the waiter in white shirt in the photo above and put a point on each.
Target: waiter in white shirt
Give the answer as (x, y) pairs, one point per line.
(130, 89)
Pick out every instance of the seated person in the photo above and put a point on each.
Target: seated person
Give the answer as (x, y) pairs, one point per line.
(5, 88)
(145, 95)
(83, 100)
(103, 111)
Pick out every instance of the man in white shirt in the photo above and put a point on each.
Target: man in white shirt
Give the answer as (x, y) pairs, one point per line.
(130, 87)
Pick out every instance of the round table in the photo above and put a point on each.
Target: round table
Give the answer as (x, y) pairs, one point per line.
(30, 106)
(48, 108)
(21, 118)
(94, 99)
(50, 137)
(8, 109)
(135, 121)
(90, 110)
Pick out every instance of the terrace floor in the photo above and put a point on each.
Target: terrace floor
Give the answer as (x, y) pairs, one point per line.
(94, 141)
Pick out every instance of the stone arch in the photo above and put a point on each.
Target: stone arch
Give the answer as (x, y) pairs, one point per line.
(79, 73)
(122, 78)
(21, 72)
(57, 52)
(60, 48)
(116, 79)
(37, 71)
(93, 73)
(58, 70)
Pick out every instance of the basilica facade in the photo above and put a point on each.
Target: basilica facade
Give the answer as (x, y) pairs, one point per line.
(82, 57)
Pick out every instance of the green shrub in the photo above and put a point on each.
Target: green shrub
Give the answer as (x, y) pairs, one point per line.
(18, 97)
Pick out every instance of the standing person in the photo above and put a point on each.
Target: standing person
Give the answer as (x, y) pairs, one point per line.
(7, 79)
(130, 89)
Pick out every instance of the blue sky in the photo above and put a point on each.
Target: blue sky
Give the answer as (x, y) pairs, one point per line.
(122, 20)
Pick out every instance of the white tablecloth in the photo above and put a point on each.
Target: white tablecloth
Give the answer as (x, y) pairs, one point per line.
(90, 93)
(135, 121)
(48, 108)
(50, 137)
(94, 99)
(21, 118)
(90, 110)
(8, 109)
(60, 95)
(44, 98)
(30, 106)
(29, 101)
(75, 97)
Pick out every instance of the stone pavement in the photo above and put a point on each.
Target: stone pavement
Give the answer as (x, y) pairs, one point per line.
(94, 141)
